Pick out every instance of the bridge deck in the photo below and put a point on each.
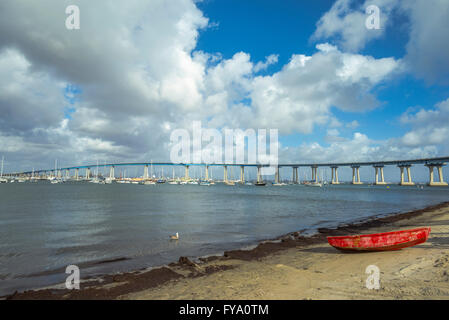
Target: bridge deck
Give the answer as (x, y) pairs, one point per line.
(425, 161)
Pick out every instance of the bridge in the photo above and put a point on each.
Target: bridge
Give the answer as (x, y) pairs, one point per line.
(379, 179)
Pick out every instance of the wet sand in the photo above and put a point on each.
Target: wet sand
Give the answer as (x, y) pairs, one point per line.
(292, 267)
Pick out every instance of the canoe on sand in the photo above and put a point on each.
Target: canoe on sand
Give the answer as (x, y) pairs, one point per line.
(386, 241)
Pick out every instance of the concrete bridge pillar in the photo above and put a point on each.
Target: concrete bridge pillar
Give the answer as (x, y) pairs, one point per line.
(187, 173)
(440, 175)
(225, 174)
(112, 173)
(242, 174)
(353, 175)
(314, 173)
(145, 172)
(67, 174)
(87, 173)
(334, 175)
(356, 175)
(259, 176)
(379, 169)
(409, 181)
(206, 174)
(295, 178)
(382, 177)
(276, 175)
(77, 173)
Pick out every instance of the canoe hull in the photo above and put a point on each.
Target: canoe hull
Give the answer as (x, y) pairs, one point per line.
(386, 241)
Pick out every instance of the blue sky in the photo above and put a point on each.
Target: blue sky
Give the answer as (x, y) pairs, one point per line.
(265, 27)
(261, 28)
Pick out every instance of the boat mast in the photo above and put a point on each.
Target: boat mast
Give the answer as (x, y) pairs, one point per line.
(1, 172)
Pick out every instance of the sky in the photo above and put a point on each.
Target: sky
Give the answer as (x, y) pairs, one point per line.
(136, 70)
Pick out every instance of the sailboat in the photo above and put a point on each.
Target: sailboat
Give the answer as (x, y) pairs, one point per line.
(54, 179)
(2, 180)
(95, 180)
(260, 182)
(173, 181)
(33, 178)
(278, 184)
(314, 183)
(161, 180)
(123, 180)
(148, 182)
(231, 181)
(204, 182)
(109, 179)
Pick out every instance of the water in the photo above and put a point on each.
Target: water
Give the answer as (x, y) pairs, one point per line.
(46, 227)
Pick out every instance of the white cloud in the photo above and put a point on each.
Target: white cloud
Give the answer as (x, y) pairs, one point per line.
(333, 132)
(353, 124)
(428, 45)
(300, 95)
(426, 138)
(429, 127)
(358, 148)
(141, 77)
(26, 95)
(271, 59)
(345, 21)
(427, 48)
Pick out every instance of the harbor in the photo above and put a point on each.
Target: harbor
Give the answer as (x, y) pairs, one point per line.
(124, 227)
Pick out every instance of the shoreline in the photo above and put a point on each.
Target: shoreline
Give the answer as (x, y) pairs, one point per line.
(119, 285)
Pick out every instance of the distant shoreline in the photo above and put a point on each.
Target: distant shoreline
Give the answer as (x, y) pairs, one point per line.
(112, 286)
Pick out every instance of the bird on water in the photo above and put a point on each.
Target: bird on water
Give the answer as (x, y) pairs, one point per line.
(175, 237)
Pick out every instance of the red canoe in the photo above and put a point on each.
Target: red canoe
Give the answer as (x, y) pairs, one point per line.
(385, 241)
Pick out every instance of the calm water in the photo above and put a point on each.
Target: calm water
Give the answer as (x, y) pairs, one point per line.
(45, 227)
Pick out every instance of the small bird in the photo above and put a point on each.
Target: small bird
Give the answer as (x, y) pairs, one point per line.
(175, 237)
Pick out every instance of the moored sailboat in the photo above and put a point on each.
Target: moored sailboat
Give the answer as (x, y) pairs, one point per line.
(2, 180)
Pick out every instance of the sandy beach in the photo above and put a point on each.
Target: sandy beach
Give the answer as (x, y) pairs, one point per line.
(293, 267)
(318, 271)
